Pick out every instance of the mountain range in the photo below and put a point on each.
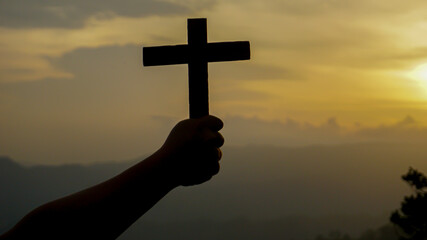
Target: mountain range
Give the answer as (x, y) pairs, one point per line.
(261, 192)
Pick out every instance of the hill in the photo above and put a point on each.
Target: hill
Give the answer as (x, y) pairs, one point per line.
(261, 191)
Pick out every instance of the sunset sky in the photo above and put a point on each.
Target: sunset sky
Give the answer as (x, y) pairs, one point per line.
(73, 89)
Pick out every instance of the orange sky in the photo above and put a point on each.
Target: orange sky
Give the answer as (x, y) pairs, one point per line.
(72, 86)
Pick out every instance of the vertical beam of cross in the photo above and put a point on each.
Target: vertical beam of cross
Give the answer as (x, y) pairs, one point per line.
(198, 68)
(197, 54)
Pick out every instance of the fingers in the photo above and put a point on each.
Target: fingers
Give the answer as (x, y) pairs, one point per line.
(210, 168)
(207, 154)
(213, 154)
(214, 169)
(211, 122)
(201, 149)
(212, 138)
(205, 171)
(210, 163)
(210, 134)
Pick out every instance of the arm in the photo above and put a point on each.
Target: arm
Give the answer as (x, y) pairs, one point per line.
(189, 156)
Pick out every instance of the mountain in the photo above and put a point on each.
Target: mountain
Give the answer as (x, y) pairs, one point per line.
(261, 192)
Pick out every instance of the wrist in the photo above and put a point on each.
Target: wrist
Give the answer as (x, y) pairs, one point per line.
(166, 171)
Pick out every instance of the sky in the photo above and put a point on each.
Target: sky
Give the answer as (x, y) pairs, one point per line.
(73, 88)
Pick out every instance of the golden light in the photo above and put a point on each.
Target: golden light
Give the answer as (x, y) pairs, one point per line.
(420, 73)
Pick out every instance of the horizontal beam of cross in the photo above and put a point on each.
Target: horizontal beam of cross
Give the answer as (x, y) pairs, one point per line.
(180, 54)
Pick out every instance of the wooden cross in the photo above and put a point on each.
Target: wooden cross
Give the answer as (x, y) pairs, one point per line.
(197, 53)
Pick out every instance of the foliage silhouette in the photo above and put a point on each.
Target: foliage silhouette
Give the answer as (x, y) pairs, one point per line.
(411, 218)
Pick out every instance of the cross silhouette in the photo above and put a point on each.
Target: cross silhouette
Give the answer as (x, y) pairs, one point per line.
(197, 53)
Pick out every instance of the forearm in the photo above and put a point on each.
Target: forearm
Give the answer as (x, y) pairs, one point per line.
(189, 156)
(103, 211)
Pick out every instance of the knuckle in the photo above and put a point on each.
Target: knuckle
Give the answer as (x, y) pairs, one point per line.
(214, 139)
(216, 169)
(220, 124)
(220, 140)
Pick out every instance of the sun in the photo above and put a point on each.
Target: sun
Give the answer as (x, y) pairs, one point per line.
(420, 73)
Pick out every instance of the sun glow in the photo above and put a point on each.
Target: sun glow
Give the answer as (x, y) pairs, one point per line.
(420, 73)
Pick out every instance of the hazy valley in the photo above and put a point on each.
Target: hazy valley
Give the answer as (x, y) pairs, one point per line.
(261, 192)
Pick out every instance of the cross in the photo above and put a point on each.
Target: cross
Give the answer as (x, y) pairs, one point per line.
(197, 53)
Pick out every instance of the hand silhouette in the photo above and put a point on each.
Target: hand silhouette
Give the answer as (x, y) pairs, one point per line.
(193, 150)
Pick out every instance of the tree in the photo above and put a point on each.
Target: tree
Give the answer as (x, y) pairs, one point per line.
(411, 218)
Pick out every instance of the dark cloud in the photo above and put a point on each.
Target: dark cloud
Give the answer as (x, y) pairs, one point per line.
(72, 14)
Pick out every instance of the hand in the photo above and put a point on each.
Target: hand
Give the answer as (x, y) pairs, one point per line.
(193, 150)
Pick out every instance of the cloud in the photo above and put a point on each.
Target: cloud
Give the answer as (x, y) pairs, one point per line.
(357, 35)
(406, 130)
(290, 39)
(309, 8)
(251, 71)
(254, 131)
(73, 14)
(403, 58)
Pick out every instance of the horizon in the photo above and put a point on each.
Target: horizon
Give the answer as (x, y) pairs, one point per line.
(356, 144)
